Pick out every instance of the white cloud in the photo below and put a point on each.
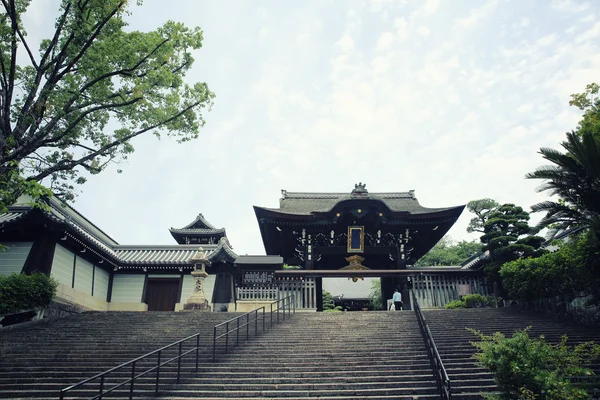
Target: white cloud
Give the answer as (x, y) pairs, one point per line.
(384, 42)
(345, 44)
(475, 16)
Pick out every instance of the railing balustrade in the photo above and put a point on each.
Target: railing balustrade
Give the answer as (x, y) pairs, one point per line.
(439, 371)
(234, 325)
(162, 356)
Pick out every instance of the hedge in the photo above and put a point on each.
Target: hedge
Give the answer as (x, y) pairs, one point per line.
(20, 292)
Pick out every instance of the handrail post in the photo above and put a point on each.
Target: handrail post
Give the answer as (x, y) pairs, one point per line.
(179, 362)
(256, 322)
(132, 380)
(271, 314)
(157, 372)
(227, 337)
(101, 387)
(237, 332)
(214, 342)
(247, 326)
(263, 317)
(294, 297)
(197, 349)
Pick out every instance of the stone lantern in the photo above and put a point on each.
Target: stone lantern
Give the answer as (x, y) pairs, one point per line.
(197, 301)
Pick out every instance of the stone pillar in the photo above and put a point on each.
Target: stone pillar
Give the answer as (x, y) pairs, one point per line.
(197, 301)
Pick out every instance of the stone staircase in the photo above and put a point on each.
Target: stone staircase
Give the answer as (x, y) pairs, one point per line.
(448, 327)
(359, 355)
(38, 359)
(355, 355)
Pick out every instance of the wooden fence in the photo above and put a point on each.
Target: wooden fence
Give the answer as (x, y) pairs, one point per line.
(437, 290)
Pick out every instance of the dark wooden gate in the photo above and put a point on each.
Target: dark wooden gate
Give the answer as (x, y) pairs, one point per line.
(161, 294)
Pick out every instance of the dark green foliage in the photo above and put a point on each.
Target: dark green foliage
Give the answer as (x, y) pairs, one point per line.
(570, 269)
(22, 292)
(446, 252)
(472, 301)
(504, 237)
(328, 305)
(574, 176)
(453, 304)
(481, 208)
(528, 368)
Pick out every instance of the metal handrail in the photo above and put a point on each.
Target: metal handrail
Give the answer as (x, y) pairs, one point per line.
(288, 305)
(439, 371)
(133, 377)
(254, 314)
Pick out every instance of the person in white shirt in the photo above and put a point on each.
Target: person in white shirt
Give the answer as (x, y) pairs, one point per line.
(397, 299)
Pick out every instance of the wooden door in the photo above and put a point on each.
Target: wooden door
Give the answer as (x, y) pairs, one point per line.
(161, 294)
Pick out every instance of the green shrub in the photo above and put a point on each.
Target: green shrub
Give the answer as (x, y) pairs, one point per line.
(328, 304)
(530, 368)
(570, 269)
(22, 292)
(456, 304)
(472, 301)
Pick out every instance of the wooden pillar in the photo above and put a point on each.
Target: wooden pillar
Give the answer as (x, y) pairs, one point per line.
(387, 290)
(319, 292)
(40, 256)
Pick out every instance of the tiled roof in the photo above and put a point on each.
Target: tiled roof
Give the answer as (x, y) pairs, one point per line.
(199, 222)
(300, 203)
(82, 230)
(174, 254)
(197, 231)
(11, 216)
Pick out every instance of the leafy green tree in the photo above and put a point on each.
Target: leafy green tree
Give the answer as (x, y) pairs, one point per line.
(56, 103)
(482, 209)
(447, 252)
(589, 103)
(375, 295)
(574, 176)
(505, 237)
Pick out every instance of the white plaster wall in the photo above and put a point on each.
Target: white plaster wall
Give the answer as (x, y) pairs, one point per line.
(83, 276)
(13, 258)
(187, 288)
(62, 265)
(101, 279)
(127, 288)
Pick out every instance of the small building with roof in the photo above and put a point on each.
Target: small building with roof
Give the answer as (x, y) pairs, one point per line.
(96, 272)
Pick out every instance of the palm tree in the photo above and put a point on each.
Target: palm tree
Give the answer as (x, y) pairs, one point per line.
(575, 178)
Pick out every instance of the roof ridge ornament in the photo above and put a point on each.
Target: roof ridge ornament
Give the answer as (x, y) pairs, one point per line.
(359, 190)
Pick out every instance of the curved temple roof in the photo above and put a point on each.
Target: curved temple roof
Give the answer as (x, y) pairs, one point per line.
(307, 203)
(198, 228)
(121, 256)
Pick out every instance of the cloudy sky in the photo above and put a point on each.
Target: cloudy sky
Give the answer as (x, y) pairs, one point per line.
(450, 98)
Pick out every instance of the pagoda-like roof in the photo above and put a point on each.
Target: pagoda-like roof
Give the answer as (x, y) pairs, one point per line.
(200, 229)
